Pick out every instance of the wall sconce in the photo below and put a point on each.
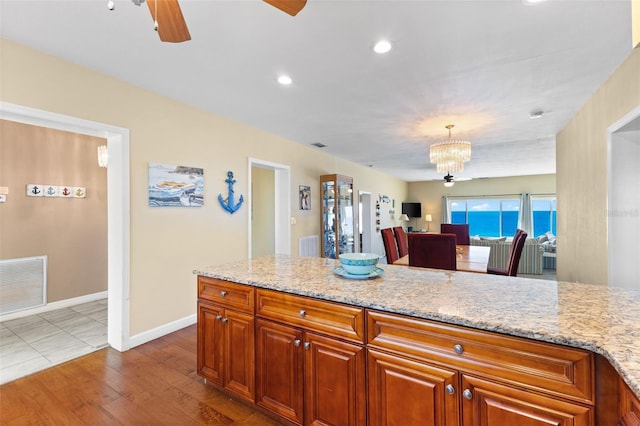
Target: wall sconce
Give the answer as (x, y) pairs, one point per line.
(103, 156)
(428, 219)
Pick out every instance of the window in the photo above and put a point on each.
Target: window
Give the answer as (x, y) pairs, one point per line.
(487, 217)
(544, 215)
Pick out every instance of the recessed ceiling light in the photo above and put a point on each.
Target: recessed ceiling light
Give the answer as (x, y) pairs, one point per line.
(532, 2)
(285, 80)
(383, 46)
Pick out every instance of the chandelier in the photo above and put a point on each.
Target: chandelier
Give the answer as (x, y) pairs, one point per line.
(450, 155)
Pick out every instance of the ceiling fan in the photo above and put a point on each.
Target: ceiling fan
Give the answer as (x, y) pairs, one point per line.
(172, 28)
(449, 180)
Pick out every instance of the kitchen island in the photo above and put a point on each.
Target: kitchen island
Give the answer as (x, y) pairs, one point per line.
(599, 319)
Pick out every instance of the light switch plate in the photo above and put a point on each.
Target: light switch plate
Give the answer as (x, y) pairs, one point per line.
(3, 198)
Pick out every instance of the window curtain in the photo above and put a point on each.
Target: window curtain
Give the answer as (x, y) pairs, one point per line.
(446, 216)
(525, 216)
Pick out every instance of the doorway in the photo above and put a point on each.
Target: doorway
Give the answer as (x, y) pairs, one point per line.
(623, 212)
(117, 210)
(365, 221)
(281, 204)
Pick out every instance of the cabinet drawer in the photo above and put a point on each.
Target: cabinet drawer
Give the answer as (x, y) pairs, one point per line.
(330, 318)
(549, 368)
(224, 293)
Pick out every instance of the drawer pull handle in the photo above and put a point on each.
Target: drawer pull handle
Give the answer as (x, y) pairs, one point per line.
(458, 349)
(450, 389)
(467, 394)
(296, 343)
(223, 293)
(307, 345)
(225, 320)
(302, 312)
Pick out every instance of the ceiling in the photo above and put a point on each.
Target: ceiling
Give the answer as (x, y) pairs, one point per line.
(481, 65)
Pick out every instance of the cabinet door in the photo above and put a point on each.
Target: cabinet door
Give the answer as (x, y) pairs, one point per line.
(629, 411)
(210, 340)
(239, 363)
(334, 389)
(279, 369)
(406, 392)
(485, 403)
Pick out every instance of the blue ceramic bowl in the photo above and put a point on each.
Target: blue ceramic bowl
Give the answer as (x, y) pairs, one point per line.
(359, 263)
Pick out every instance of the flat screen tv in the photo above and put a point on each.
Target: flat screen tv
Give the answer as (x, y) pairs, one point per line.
(412, 209)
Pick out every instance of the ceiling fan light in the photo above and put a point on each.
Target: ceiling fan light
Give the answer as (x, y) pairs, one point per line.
(449, 184)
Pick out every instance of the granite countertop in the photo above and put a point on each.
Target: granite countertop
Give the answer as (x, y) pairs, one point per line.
(602, 319)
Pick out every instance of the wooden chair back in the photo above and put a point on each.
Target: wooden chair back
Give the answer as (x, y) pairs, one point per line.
(432, 250)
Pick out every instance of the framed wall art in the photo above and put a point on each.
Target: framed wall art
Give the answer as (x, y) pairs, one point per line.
(175, 186)
(305, 197)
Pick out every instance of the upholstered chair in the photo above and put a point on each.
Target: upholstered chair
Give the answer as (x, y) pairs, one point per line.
(401, 241)
(432, 250)
(390, 247)
(461, 230)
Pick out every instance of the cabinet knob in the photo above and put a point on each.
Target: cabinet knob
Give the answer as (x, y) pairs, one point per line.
(223, 293)
(307, 345)
(225, 320)
(296, 343)
(218, 317)
(450, 389)
(302, 312)
(467, 394)
(458, 349)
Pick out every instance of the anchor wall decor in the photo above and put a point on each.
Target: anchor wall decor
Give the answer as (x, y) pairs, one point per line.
(229, 203)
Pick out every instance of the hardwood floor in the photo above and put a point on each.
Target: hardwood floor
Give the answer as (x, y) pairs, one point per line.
(152, 384)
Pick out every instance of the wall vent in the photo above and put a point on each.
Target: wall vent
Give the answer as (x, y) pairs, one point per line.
(309, 246)
(23, 283)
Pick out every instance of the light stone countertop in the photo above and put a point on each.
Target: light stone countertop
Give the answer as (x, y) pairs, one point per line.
(604, 320)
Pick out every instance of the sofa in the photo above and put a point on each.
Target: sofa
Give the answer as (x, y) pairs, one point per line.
(531, 260)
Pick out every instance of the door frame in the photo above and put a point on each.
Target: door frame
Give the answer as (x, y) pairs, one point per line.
(282, 204)
(367, 222)
(118, 219)
(632, 115)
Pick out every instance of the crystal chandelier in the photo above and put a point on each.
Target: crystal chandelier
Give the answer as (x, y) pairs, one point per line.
(450, 155)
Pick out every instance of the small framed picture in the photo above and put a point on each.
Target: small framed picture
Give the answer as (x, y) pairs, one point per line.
(305, 197)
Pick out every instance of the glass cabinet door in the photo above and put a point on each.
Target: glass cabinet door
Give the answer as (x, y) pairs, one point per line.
(337, 215)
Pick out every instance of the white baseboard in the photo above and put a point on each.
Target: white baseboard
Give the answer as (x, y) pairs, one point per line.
(154, 333)
(55, 305)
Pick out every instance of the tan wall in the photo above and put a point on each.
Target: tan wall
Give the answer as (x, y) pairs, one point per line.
(635, 23)
(168, 243)
(430, 193)
(581, 163)
(263, 238)
(70, 231)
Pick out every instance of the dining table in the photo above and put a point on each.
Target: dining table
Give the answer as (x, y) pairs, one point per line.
(468, 258)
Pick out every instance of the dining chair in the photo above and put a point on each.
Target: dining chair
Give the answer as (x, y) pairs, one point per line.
(432, 250)
(390, 247)
(460, 229)
(515, 252)
(401, 240)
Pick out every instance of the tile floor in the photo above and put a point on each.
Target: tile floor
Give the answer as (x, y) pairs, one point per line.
(41, 341)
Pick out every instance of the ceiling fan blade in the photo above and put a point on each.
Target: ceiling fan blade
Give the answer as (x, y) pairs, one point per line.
(292, 7)
(171, 25)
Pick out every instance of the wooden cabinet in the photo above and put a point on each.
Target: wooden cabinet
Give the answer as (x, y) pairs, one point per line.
(487, 403)
(408, 392)
(305, 376)
(503, 380)
(336, 192)
(629, 406)
(226, 336)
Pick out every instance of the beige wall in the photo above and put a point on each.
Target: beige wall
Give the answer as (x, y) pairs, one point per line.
(581, 163)
(635, 23)
(168, 243)
(430, 193)
(263, 239)
(70, 231)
